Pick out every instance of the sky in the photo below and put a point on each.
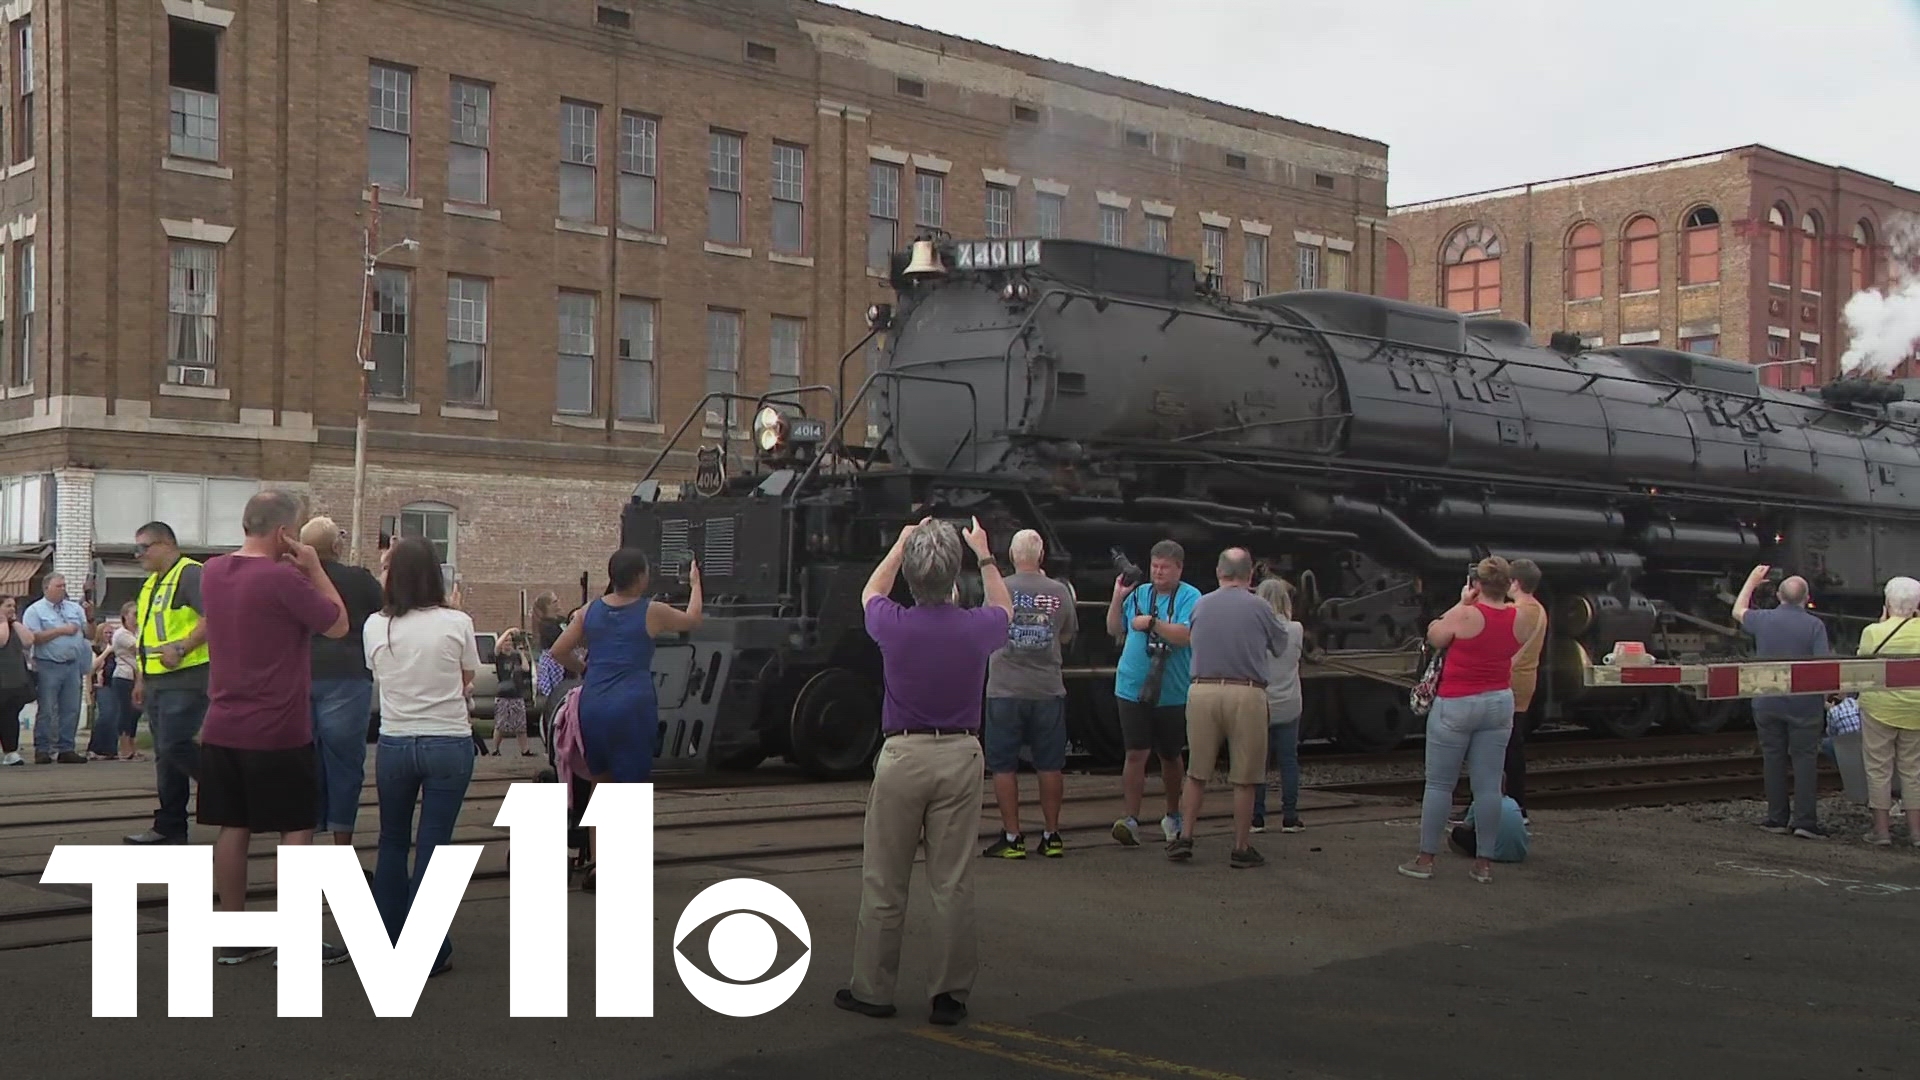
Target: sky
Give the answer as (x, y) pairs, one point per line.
(1477, 94)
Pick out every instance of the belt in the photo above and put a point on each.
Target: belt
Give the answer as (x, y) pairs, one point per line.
(932, 731)
(1259, 683)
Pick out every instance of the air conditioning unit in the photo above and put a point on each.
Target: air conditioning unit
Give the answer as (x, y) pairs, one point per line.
(192, 376)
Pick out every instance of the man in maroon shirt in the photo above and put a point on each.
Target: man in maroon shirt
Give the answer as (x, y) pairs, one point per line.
(263, 603)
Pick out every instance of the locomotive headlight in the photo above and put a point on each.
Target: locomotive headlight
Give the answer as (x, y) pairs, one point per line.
(769, 429)
(1009, 291)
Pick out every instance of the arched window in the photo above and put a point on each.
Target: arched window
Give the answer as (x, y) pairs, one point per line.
(1398, 271)
(1471, 264)
(1777, 246)
(1810, 252)
(432, 522)
(1861, 276)
(1583, 262)
(1700, 247)
(1640, 256)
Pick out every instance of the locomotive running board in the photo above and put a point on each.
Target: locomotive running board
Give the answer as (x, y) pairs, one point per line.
(1754, 678)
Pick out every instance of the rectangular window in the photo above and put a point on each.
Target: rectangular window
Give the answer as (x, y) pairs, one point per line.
(999, 210)
(639, 172)
(633, 377)
(883, 213)
(1113, 226)
(1156, 234)
(1255, 272)
(1337, 264)
(1776, 347)
(723, 366)
(789, 199)
(579, 161)
(573, 376)
(392, 336)
(1706, 344)
(24, 276)
(1810, 263)
(470, 108)
(193, 308)
(193, 92)
(466, 341)
(23, 87)
(723, 188)
(783, 362)
(390, 127)
(932, 191)
(1051, 209)
(1306, 270)
(1776, 255)
(1213, 249)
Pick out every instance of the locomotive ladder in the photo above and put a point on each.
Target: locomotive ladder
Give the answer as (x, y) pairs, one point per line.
(1733, 680)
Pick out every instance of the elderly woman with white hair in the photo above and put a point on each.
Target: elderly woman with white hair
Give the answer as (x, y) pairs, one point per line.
(1890, 719)
(1284, 707)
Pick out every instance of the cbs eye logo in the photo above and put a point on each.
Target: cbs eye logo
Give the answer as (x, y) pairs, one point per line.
(742, 946)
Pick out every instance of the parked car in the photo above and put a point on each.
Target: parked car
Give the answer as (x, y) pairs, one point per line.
(486, 685)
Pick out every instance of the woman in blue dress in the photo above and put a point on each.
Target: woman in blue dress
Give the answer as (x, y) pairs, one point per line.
(618, 713)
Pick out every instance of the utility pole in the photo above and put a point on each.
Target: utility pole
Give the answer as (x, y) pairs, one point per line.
(361, 347)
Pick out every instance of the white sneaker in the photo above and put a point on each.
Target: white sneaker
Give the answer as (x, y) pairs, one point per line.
(1170, 827)
(13, 759)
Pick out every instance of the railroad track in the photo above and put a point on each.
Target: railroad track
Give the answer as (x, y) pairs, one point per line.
(1611, 786)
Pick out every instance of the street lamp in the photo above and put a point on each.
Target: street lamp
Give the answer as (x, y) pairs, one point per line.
(362, 347)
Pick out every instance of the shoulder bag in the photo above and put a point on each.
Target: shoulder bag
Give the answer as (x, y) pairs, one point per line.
(1432, 659)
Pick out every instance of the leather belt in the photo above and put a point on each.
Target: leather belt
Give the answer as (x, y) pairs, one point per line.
(931, 731)
(1258, 683)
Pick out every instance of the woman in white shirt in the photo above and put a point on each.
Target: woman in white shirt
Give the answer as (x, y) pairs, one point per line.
(422, 655)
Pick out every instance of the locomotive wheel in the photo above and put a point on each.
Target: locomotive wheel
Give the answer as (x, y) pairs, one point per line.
(1373, 718)
(1625, 716)
(835, 730)
(1688, 715)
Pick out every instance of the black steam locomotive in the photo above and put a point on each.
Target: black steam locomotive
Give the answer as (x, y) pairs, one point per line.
(1366, 450)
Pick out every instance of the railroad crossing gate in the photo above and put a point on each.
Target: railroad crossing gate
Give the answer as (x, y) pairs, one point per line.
(1754, 678)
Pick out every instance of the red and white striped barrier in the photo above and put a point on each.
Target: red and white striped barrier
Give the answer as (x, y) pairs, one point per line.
(1753, 678)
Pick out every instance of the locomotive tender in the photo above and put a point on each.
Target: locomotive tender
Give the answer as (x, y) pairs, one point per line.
(1367, 450)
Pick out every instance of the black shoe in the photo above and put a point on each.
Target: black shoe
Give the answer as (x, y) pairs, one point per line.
(1052, 846)
(1259, 824)
(1004, 848)
(69, 757)
(43, 759)
(1245, 857)
(1292, 823)
(1778, 828)
(1180, 848)
(947, 1011)
(844, 998)
(1811, 832)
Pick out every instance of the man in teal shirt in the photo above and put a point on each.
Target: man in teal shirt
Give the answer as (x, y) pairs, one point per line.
(1154, 616)
(1510, 847)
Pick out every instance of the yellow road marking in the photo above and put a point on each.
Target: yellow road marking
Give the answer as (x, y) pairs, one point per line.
(1104, 1054)
(981, 1046)
(1136, 1060)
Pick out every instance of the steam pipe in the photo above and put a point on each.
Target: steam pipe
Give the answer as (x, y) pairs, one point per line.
(1170, 503)
(1681, 541)
(1479, 517)
(1359, 513)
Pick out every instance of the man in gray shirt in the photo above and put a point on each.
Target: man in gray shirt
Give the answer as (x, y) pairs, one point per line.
(1026, 699)
(1234, 635)
(1789, 725)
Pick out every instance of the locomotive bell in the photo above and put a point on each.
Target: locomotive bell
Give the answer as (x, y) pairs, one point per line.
(926, 260)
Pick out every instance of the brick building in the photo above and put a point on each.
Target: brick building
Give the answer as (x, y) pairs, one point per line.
(617, 207)
(1747, 253)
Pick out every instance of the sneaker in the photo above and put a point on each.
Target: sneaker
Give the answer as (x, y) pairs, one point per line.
(1811, 832)
(1180, 848)
(1052, 846)
(1292, 824)
(947, 1011)
(1413, 869)
(68, 757)
(154, 836)
(240, 954)
(1127, 831)
(13, 759)
(1008, 847)
(1878, 839)
(1243, 858)
(1170, 826)
(1778, 828)
(1259, 824)
(331, 954)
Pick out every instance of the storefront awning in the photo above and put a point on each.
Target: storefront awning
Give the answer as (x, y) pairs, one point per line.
(16, 574)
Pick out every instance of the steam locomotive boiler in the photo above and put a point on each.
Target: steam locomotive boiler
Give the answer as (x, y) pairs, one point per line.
(1366, 450)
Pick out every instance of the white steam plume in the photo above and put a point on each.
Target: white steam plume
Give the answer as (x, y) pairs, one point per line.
(1883, 325)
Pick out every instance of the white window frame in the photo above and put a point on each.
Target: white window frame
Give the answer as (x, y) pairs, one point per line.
(789, 190)
(571, 340)
(724, 330)
(391, 115)
(468, 300)
(636, 359)
(470, 124)
(639, 172)
(579, 155)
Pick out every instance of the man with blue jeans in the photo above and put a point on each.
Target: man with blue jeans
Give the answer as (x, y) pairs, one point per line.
(342, 694)
(1027, 699)
(62, 657)
(170, 674)
(1789, 725)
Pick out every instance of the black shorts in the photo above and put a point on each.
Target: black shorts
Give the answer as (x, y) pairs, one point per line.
(267, 791)
(1161, 729)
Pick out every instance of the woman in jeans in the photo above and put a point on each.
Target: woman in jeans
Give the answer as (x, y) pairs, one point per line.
(16, 684)
(422, 654)
(1472, 713)
(1283, 712)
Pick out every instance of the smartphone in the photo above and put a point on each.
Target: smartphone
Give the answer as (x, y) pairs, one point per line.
(386, 540)
(447, 579)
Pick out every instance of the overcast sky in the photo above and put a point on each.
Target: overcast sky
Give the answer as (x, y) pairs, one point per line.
(1476, 94)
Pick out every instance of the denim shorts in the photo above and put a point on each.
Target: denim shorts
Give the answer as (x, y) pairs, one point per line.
(1040, 724)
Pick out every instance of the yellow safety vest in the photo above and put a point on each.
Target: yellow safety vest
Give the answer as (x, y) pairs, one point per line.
(162, 620)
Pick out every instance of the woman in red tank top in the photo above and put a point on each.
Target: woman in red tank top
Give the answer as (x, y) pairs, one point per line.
(1472, 714)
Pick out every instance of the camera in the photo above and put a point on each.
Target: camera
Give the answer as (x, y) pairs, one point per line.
(1157, 645)
(1130, 574)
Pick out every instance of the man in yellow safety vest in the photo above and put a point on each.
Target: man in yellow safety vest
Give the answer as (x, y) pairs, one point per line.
(170, 681)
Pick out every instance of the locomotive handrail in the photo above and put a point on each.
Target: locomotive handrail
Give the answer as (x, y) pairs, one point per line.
(725, 431)
(840, 376)
(813, 467)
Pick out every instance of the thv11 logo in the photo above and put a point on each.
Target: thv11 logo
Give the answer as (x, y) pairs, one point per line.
(742, 946)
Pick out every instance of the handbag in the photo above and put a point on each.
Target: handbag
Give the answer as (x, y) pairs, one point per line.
(1432, 659)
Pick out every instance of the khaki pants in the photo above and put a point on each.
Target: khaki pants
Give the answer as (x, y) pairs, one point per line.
(1886, 750)
(923, 786)
(1235, 715)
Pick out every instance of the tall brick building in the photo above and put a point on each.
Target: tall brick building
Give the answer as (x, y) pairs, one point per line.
(617, 206)
(1747, 253)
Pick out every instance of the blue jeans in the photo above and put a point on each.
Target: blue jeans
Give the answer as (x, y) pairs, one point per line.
(432, 770)
(62, 684)
(174, 717)
(1473, 730)
(340, 711)
(106, 723)
(1283, 746)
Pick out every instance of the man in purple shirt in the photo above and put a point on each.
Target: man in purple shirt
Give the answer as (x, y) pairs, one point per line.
(927, 781)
